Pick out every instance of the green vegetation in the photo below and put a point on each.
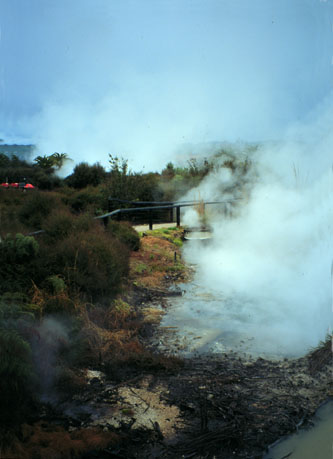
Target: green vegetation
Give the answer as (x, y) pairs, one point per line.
(76, 271)
(125, 233)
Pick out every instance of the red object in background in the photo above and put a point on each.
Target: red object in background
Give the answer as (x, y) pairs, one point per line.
(26, 186)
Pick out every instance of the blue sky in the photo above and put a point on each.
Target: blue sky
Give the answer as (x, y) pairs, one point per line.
(142, 78)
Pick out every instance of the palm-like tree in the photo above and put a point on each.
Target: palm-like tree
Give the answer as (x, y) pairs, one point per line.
(55, 160)
(46, 162)
(59, 159)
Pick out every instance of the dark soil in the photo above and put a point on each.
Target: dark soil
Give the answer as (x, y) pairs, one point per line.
(228, 407)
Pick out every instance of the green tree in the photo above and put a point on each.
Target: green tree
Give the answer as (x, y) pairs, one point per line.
(59, 159)
(45, 162)
(84, 174)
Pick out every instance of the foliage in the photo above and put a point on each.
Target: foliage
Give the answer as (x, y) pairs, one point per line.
(125, 233)
(45, 440)
(45, 179)
(58, 225)
(40, 174)
(36, 208)
(16, 366)
(17, 256)
(91, 262)
(16, 376)
(177, 181)
(84, 175)
(45, 162)
(57, 284)
(56, 160)
(118, 166)
(92, 199)
(124, 184)
(18, 249)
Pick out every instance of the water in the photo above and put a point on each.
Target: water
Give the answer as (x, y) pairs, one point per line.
(315, 443)
(204, 321)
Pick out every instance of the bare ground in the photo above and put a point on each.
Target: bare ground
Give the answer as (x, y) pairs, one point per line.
(220, 406)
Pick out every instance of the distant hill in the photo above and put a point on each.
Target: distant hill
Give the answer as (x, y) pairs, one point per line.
(25, 152)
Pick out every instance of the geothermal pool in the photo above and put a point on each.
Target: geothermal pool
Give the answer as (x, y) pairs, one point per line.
(203, 320)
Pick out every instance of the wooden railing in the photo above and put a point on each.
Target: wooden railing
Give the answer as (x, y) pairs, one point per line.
(150, 208)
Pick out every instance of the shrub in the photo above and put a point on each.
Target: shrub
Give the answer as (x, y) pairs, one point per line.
(45, 179)
(36, 208)
(61, 223)
(125, 233)
(84, 175)
(58, 225)
(17, 258)
(91, 199)
(91, 262)
(16, 376)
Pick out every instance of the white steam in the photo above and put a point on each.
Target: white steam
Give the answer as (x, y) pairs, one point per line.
(50, 337)
(272, 260)
(141, 79)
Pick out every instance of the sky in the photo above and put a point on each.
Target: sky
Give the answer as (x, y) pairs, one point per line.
(149, 79)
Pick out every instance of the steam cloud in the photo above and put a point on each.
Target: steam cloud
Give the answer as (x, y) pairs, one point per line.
(272, 260)
(140, 79)
(52, 335)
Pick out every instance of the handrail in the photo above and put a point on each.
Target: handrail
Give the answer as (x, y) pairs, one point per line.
(168, 206)
(151, 202)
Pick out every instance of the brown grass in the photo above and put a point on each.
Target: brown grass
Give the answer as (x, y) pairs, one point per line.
(155, 259)
(46, 441)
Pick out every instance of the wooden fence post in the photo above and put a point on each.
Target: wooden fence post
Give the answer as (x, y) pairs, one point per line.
(105, 221)
(150, 219)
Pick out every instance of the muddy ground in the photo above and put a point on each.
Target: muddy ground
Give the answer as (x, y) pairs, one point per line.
(220, 406)
(214, 406)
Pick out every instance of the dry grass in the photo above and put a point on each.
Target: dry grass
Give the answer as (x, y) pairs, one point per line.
(321, 356)
(156, 259)
(56, 302)
(152, 315)
(45, 441)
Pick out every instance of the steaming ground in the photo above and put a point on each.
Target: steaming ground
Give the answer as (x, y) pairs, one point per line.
(268, 267)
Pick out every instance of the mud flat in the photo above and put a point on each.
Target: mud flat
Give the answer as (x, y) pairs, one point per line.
(209, 406)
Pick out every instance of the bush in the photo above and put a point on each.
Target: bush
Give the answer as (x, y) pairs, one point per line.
(84, 175)
(16, 376)
(46, 180)
(58, 225)
(91, 199)
(125, 233)
(92, 263)
(17, 258)
(36, 208)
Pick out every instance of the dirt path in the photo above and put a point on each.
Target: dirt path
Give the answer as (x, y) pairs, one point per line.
(155, 226)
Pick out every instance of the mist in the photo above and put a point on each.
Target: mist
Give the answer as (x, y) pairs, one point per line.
(143, 79)
(148, 80)
(270, 262)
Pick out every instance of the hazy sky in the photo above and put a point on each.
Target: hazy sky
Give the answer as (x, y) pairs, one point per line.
(140, 78)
